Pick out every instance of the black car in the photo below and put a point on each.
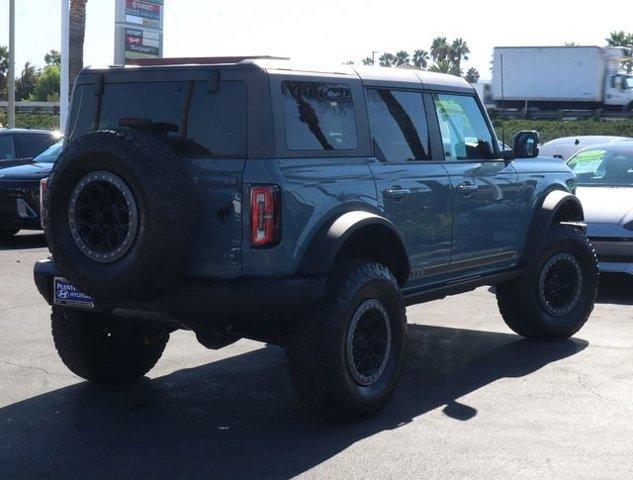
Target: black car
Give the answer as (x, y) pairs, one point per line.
(17, 144)
(19, 192)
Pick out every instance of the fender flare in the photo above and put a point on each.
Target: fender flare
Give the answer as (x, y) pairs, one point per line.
(558, 206)
(321, 253)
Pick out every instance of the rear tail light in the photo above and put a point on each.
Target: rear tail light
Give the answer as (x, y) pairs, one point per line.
(43, 188)
(265, 215)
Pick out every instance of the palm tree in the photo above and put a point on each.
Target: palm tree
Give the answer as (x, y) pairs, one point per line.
(459, 51)
(439, 49)
(420, 59)
(443, 66)
(402, 57)
(623, 39)
(387, 60)
(472, 76)
(77, 31)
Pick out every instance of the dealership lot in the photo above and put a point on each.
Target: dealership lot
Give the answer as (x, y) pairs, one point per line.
(474, 401)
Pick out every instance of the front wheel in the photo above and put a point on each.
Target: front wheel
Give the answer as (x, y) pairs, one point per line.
(345, 358)
(106, 349)
(555, 296)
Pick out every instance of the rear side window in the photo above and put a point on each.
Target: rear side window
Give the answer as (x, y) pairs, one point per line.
(398, 125)
(6, 148)
(319, 116)
(465, 133)
(193, 119)
(32, 145)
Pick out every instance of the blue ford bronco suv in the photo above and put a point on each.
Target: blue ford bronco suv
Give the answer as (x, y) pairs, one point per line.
(250, 198)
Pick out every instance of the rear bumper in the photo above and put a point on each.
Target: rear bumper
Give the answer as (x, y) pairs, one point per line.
(196, 299)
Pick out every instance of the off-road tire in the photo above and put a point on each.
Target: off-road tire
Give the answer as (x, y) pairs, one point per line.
(165, 207)
(104, 349)
(7, 234)
(317, 351)
(519, 300)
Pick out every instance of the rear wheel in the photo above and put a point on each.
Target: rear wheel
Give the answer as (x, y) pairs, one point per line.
(556, 294)
(105, 349)
(345, 358)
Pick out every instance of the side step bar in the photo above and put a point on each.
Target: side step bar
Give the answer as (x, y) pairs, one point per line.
(439, 292)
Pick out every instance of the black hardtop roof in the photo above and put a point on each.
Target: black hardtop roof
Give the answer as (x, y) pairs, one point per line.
(283, 66)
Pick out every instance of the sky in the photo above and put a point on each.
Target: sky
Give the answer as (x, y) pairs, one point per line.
(326, 31)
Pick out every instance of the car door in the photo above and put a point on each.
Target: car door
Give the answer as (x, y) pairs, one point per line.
(413, 190)
(484, 188)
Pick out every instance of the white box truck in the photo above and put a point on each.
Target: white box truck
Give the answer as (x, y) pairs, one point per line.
(561, 77)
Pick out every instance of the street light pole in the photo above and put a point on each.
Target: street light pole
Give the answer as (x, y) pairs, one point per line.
(64, 87)
(11, 106)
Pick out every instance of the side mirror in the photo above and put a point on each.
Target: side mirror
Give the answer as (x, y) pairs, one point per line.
(526, 144)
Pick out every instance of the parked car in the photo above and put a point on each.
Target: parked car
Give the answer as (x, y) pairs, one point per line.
(566, 147)
(18, 145)
(19, 192)
(305, 208)
(605, 186)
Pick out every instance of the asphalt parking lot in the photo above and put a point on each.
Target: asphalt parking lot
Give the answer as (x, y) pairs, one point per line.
(475, 401)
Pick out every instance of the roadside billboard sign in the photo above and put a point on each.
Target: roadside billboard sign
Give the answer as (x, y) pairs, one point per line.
(139, 30)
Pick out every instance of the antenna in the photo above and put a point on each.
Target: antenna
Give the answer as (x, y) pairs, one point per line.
(503, 105)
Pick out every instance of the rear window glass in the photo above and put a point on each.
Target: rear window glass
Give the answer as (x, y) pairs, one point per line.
(193, 119)
(32, 145)
(319, 116)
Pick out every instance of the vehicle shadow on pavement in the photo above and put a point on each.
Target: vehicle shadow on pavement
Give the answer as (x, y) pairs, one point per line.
(615, 289)
(240, 417)
(22, 242)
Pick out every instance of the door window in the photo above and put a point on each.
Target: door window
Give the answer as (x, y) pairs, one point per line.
(319, 116)
(6, 148)
(398, 125)
(465, 133)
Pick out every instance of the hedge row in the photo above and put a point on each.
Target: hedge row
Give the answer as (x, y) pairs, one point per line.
(548, 129)
(45, 121)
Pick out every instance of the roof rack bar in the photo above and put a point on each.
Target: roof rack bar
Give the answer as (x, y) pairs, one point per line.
(146, 62)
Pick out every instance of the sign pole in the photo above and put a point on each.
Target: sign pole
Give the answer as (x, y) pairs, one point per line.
(11, 106)
(64, 80)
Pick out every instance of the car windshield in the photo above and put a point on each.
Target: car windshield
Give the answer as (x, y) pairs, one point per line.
(50, 154)
(603, 167)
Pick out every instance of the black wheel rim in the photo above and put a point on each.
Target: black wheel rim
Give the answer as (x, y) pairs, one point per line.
(368, 342)
(560, 284)
(103, 216)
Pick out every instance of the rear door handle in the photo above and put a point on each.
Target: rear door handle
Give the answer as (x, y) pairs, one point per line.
(397, 193)
(467, 188)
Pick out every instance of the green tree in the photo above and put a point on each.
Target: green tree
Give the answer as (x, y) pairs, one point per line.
(443, 66)
(53, 57)
(4, 71)
(623, 39)
(402, 57)
(421, 59)
(387, 60)
(47, 87)
(439, 49)
(472, 75)
(458, 52)
(368, 61)
(25, 85)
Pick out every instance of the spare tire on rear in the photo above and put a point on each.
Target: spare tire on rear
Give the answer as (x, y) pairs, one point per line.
(120, 214)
